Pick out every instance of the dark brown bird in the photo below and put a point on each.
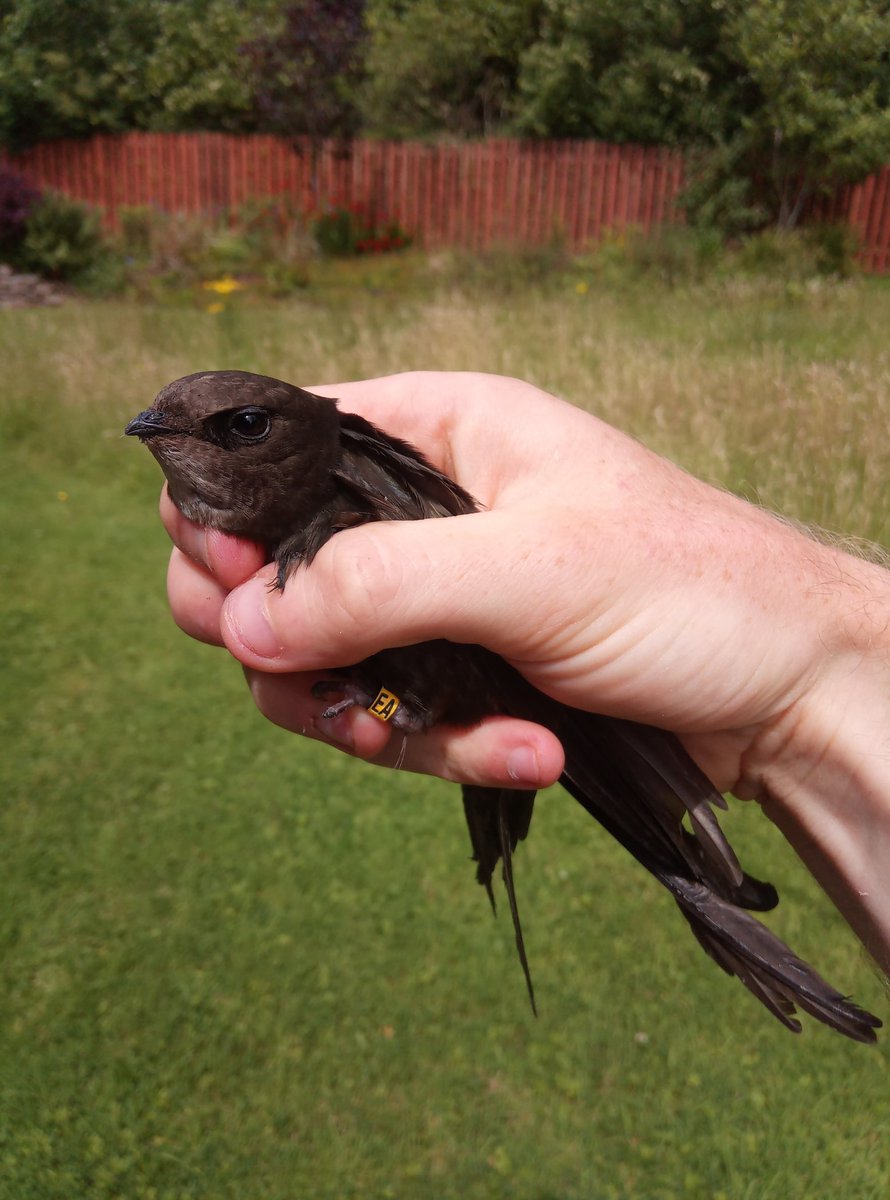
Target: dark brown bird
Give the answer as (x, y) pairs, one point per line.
(257, 457)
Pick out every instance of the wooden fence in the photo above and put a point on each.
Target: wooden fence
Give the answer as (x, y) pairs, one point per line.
(501, 191)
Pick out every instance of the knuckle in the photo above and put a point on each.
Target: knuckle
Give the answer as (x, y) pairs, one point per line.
(361, 584)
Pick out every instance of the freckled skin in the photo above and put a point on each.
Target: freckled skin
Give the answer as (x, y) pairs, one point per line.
(262, 459)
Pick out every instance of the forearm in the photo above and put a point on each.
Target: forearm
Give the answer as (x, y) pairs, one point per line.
(822, 769)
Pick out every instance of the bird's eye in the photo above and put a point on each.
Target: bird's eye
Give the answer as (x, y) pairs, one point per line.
(250, 424)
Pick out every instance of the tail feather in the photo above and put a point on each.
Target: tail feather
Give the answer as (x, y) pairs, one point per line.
(507, 844)
(498, 819)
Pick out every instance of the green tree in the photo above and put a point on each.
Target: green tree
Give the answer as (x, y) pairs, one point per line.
(196, 73)
(822, 75)
(776, 99)
(640, 72)
(451, 68)
(72, 69)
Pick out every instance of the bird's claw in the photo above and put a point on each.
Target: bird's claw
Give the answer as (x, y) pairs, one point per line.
(334, 710)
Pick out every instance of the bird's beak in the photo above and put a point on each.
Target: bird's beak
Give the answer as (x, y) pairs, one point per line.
(149, 423)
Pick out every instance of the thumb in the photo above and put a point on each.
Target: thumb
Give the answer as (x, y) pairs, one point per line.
(383, 585)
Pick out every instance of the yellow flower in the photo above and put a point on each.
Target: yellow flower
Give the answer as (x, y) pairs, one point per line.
(61, 496)
(215, 307)
(224, 286)
(582, 288)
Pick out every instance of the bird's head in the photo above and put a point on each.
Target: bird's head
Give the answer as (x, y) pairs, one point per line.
(244, 453)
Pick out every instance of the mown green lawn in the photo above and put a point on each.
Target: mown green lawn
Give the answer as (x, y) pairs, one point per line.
(237, 965)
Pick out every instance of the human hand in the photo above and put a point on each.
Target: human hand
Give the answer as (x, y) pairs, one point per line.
(609, 577)
(612, 580)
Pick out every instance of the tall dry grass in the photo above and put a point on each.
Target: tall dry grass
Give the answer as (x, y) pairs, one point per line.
(779, 394)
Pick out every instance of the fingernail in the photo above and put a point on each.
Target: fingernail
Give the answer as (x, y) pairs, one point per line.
(247, 615)
(522, 766)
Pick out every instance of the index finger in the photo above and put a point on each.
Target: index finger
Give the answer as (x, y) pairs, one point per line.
(231, 560)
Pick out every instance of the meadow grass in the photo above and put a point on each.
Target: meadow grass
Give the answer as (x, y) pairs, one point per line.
(238, 965)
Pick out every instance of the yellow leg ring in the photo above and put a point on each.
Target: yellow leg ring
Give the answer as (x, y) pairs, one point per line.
(385, 705)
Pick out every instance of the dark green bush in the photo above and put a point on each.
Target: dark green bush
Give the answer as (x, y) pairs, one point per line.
(799, 253)
(834, 248)
(63, 239)
(718, 194)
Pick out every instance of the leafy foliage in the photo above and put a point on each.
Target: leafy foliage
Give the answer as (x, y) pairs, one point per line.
(70, 70)
(781, 98)
(195, 71)
(623, 72)
(822, 75)
(63, 239)
(451, 68)
(73, 69)
(777, 100)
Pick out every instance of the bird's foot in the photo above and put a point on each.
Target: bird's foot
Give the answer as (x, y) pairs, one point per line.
(383, 704)
(350, 692)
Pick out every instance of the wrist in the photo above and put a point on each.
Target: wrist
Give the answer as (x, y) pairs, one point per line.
(822, 768)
